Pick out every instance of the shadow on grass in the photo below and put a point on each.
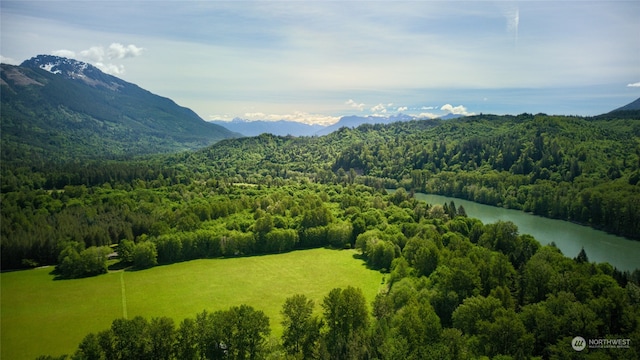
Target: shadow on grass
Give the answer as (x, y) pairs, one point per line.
(363, 258)
(118, 266)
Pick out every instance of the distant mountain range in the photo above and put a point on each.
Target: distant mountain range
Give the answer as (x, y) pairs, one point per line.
(283, 127)
(58, 109)
(257, 127)
(55, 108)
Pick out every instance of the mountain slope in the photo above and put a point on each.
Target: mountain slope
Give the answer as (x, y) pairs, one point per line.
(634, 105)
(629, 111)
(585, 170)
(59, 109)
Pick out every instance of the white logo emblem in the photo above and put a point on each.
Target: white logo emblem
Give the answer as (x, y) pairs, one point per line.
(578, 343)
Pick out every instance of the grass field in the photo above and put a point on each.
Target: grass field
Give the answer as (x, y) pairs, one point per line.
(42, 316)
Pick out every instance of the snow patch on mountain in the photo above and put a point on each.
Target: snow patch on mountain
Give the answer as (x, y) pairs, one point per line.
(49, 67)
(74, 69)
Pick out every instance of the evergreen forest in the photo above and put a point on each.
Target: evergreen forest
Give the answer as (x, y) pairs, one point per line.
(456, 288)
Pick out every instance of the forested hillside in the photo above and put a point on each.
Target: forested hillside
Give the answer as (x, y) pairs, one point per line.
(79, 113)
(585, 170)
(455, 288)
(579, 169)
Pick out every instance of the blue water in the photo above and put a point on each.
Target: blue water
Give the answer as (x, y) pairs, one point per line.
(569, 237)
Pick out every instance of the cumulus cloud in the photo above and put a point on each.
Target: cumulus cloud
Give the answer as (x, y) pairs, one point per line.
(65, 53)
(456, 110)
(112, 69)
(380, 108)
(119, 51)
(94, 53)
(427, 115)
(427, 107)
(354, 104)
(403, 108)
(102, 57)
(115, 51)
(298, 116)
(636, 84)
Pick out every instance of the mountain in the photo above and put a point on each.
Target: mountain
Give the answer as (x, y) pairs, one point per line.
(354, 121)
(55, 108)
(629, 111)
(632, 106)
(282, 127)
(450, 116)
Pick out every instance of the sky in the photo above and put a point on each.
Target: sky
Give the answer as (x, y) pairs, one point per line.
(315, 61)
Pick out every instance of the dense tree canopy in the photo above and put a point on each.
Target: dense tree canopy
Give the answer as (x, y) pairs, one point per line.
(454, 288)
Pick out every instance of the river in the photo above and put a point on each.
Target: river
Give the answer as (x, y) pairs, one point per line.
(569, 237)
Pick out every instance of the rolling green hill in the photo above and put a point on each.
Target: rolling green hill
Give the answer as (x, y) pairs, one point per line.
(581, 169)
(55, 110)
(585, 170)
(455, 285)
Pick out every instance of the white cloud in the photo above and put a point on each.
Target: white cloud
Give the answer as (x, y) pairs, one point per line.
(354, 104)
(379, 108)
(457, 110)
(223, 117)
(112, 69)
(297, 116)
(64, 53)
(115, 51)
(119, 51)
(636, 84)
(94, 53)
(402, 108)
(99, 57)
(427, 115)
(427, 108)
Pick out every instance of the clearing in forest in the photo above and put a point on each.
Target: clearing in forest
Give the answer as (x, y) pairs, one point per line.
(40, 315)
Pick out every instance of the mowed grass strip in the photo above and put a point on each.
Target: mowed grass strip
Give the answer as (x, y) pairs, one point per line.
(43, 316)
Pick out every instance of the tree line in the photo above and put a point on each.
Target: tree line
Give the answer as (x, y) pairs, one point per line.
(241, 332)
(455, 289)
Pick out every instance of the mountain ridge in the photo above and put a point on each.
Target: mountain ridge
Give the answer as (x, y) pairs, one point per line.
(295, 128)
(632, 106)
(56, 109)
(280, 127)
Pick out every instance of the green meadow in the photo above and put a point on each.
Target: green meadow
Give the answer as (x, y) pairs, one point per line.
(41, 315)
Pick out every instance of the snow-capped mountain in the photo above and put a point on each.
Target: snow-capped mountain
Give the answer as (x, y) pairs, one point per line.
(62, 108)
(74, 69)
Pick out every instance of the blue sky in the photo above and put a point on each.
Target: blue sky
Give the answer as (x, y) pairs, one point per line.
(314, 61)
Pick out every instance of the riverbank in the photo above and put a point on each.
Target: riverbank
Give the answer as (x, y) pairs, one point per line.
(570, 237)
